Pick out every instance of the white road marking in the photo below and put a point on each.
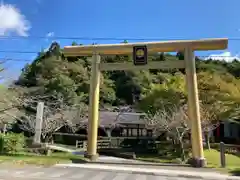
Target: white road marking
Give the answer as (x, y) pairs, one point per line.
(121, 176)
(141, 177)
(37, 174)
(57, 174)
(77, 176)
(99, 176)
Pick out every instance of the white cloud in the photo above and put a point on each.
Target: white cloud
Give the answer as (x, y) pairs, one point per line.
(227, 56)
(50, 34)
(11, 20)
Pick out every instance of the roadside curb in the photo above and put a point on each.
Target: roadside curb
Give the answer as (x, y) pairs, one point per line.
(154, 172)
(133, 162)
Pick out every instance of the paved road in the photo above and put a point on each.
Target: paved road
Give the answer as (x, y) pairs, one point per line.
(52, 173)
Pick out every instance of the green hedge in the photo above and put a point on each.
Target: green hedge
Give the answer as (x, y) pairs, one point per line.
(11, 143)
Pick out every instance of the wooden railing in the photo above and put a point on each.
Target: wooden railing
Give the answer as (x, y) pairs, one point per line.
(101, 144)
(81, 144)
(229, 149)
(102, 137)
(232, 149)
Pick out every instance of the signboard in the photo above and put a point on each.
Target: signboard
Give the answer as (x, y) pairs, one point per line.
(140, 55)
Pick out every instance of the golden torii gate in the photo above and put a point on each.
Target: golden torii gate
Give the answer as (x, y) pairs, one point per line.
(186, 46)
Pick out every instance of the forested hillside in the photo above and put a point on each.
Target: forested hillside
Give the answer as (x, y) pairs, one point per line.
(52, 74)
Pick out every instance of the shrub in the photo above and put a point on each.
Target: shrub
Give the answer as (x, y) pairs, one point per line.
(11, 143)
(29, 142)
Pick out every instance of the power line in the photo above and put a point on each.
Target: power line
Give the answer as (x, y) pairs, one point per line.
(79, 38)
(37, 52)
(85, 38)
(4, 60)
(19, 52)
(90, 38)
(234, 39)
(101, 38)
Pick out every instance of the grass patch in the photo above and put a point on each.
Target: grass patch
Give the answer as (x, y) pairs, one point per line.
(157, 159)
(213, 160)
(43, 160)
(212, 156)
(166, 155)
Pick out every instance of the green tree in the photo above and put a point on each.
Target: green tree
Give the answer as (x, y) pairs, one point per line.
(170, 92)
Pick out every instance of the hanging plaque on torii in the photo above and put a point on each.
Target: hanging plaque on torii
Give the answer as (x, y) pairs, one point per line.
(140, 55)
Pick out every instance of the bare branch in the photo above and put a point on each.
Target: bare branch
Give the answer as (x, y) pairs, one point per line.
(175, 122)
(209, 117)
(62, 115)
(75, 116)
(9, 105)
(1, 68)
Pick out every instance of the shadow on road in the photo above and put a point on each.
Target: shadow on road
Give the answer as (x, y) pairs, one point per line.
(235, 172)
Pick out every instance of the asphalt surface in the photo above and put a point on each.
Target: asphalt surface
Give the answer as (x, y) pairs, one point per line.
(52, 173)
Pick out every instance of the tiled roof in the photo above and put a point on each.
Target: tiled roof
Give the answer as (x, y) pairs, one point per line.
(107, 118)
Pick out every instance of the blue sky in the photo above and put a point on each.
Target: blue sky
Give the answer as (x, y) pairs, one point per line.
(167, 19)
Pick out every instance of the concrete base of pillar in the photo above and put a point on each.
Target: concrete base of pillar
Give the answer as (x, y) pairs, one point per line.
(198, 162)
(91, 157)
(36, 145)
